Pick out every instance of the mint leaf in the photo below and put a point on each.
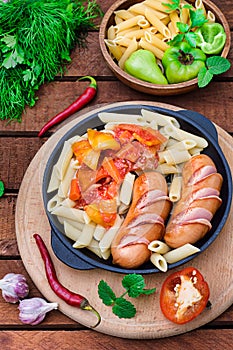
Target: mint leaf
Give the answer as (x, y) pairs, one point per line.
(106, 293)
(2, 188)
(217, 64)
(204, 77)
(197, 18)
(134, 284)
(123, 308)
(191, 39)
(183, 27)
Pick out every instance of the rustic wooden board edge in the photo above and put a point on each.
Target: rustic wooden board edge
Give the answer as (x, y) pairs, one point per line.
(138, 328)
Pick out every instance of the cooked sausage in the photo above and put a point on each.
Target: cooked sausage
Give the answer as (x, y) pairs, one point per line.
(144, 221)
(192, 215)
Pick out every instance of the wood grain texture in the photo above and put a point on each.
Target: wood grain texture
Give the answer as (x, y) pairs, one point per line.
(84, 340)
(216, 103)
(145, 325)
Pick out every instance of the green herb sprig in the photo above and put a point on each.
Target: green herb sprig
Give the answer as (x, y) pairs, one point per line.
(134, 285)
(36, 39)
(214, 65)
(197, 19)
(2, 188)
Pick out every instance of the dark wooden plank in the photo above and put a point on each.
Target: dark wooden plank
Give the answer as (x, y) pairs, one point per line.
(214, 101)
(83, 340)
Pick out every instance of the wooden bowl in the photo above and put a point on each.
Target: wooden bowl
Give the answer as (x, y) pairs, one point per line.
(146, 87)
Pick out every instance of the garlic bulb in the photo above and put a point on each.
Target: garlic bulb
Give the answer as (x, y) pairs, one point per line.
(14, 287)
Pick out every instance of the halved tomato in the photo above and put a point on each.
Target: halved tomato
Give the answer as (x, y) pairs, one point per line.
(184, 295)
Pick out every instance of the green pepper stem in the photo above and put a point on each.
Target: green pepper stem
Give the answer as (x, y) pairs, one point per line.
(88, 307)
(93, 81)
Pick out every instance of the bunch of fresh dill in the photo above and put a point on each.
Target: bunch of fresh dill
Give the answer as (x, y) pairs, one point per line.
(36, 39)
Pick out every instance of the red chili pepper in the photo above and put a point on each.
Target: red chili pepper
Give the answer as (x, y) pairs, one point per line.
(62, 292)
(80, 102)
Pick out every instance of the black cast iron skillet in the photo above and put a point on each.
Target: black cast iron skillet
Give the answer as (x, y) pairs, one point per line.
(83, 259)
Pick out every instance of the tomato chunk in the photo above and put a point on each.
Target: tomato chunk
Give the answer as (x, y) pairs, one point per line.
(184, 295)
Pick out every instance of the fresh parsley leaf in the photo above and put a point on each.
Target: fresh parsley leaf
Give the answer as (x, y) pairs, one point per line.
(191, 39)
(204, 77)
(123, 308)
(176, 40)
(134, 285)
(217, 64)
(9, 41)
(197, 18)
(2, 188)
(183, 27)
(175, 5)
(106, 293)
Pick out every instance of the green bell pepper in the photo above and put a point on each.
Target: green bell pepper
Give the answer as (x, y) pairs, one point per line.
(142, 65)
(182, 62)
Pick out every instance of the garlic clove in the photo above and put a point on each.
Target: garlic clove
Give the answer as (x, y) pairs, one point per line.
(33, 311)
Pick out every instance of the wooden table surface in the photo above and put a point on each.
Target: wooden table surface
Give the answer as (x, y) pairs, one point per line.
(19, 144)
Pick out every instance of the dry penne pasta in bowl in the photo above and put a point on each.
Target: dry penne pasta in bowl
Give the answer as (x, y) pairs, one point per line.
(161, 46)
(135, 188)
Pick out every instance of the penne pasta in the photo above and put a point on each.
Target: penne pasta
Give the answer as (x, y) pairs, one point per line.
(211, 16)
(180, 135)
(99, 232)
(54, 202)
(182, 145)
(65, 182)
(157, 5)
(173, 156)
(106, 241)
(167, 169)
(175, 189)
(137, 34)
(64, 160)
(199, 5)
(147, 46)
(152, 39)
(129, 23)
(159, 247)
(157, 23)
(70, 213)
(118, 20)
(111, 33)
(159, 261)
(130, 49)
(85, 237)
(180, 253)
(114, 49)
(94, 248)
(127, 189)
(124, 14)
(54, 182)
(106, 117)
(140, 9)
(71, 232)
(160, 119)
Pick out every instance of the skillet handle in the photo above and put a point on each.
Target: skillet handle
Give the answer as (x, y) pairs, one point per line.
(67, 256)
(202, 121)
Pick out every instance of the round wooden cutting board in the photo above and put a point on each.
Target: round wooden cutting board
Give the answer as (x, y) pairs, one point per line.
(215, 263)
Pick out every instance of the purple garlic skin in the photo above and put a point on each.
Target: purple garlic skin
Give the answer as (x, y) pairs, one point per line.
(14, 287)
(32, 311)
